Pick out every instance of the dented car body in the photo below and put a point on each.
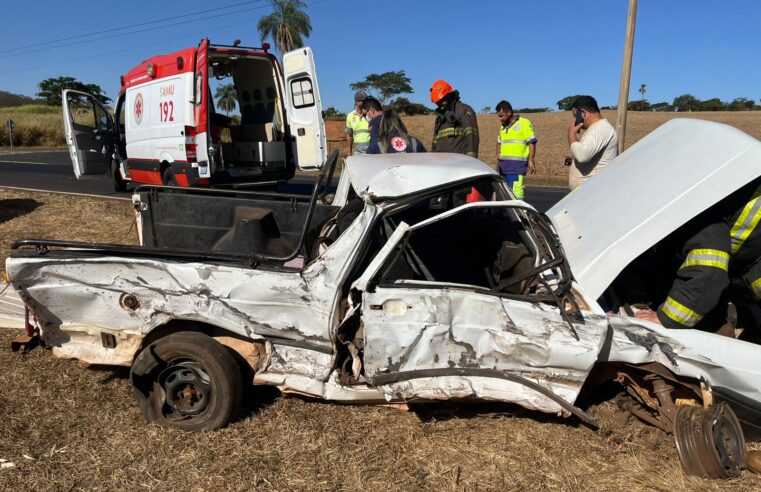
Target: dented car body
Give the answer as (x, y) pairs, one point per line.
(420, 279)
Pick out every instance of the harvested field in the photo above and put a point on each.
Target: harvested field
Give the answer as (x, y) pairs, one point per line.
(64, 426)
(551, 130)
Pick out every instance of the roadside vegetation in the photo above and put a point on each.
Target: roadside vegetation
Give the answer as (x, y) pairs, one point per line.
(35, 125)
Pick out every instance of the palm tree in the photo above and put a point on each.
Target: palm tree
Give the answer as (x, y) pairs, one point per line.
(286, 25)
(226, 98)
(642, 90)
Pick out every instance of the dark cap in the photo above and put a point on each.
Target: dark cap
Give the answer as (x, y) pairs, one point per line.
(360, 96)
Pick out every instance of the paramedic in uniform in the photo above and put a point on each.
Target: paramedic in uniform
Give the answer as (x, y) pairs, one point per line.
(720, 261)
(357, 130)
(516, 148)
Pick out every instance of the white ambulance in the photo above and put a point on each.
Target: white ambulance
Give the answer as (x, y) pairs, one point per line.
(166, 129)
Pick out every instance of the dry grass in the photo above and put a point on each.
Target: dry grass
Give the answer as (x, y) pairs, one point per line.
(67, 427)
(551, 130)
(35, 125)
(29, 215)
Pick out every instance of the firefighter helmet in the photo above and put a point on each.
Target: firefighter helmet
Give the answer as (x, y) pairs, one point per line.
(439, 90)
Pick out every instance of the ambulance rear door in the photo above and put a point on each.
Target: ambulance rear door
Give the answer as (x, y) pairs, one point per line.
(202, 138)
(89, 133)
(304, 108)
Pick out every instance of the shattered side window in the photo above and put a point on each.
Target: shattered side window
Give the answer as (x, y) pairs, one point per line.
(479, 247)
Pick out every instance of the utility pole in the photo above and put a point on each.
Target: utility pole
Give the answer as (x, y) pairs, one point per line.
(626, 72)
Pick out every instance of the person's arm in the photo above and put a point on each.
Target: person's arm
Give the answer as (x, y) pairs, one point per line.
(470, 127)
(700, 280)
(349, 136)
(589, 146)
(531, 140)
(531, 156)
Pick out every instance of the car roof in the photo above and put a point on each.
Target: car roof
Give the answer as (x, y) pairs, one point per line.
(396, 175)
(670, 176)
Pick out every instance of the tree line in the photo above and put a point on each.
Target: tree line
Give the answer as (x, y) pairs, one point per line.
(683, 103)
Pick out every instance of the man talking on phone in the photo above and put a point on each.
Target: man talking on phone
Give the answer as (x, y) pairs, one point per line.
(598, 145)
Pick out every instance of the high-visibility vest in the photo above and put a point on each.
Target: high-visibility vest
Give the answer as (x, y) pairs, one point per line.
(515, 140)
(358, 127)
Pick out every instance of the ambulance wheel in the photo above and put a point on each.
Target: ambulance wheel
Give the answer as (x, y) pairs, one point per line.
(189, 381)
(169, 178)
(119, 184)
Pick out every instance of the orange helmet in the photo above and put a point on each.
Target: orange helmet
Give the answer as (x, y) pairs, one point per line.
(439, 89)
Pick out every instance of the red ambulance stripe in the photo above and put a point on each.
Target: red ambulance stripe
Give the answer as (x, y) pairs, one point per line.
(146, 177)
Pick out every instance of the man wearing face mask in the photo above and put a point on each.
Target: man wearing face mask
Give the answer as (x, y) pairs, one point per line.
(596, 148)
(456, 127)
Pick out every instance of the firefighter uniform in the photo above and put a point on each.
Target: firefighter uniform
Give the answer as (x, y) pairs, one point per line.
(720, 262)
(514, 151)
(357, 127)
(456, 129)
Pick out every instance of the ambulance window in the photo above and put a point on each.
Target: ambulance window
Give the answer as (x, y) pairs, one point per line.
(303, 94)
(101, 118)
(199, 81)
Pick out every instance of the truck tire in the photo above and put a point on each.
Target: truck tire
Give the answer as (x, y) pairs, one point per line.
(119, 184)
(187, 380)
(169, 178)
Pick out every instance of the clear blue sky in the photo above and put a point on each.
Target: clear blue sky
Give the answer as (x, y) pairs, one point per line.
(531, 53)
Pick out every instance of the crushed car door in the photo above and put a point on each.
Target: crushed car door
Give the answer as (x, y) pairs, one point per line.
(304, 108)
(428, 337)
(89, 133)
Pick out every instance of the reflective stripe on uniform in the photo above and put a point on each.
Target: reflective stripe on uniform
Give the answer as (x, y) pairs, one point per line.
(512, 141)
(747, 221)
(755, 286)
(707, 257)
(455, 132)
(680, 313)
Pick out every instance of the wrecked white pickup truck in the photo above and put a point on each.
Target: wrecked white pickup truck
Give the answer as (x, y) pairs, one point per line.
(420, 279)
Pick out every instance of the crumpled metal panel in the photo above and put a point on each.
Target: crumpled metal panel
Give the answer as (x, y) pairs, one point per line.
(283, 359)
(415, 329)
(721, 361)
(86, 295)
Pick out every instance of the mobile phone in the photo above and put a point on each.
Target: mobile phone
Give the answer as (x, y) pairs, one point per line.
(579, 118)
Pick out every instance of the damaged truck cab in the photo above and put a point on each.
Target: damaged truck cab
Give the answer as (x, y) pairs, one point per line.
(420, 278)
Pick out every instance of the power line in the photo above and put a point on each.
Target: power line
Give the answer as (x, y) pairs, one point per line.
(130, 32)
(128, 26)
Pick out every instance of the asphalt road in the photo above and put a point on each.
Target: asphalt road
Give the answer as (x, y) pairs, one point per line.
(51, 171)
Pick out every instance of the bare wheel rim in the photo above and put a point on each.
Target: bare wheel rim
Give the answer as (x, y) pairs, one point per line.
(187, 390)
(710, 442)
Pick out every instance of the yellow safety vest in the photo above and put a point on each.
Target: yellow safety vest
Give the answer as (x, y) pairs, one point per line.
(358, 127)
(515, 140)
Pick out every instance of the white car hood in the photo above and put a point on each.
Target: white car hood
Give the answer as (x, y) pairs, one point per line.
(664, 180)
(395, 175)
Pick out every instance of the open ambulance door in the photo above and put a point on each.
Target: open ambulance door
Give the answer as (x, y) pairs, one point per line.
(304, 108)
(89, 133)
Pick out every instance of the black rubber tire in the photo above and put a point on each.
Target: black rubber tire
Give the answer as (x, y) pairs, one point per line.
(169, 178)
(120, 185)
(217, 376)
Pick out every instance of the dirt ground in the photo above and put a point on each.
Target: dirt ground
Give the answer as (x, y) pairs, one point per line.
(64, 426)
(551, 130)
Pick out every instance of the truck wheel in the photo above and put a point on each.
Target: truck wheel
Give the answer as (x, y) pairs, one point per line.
(187, 380)
(119, 184)
(169, 178)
